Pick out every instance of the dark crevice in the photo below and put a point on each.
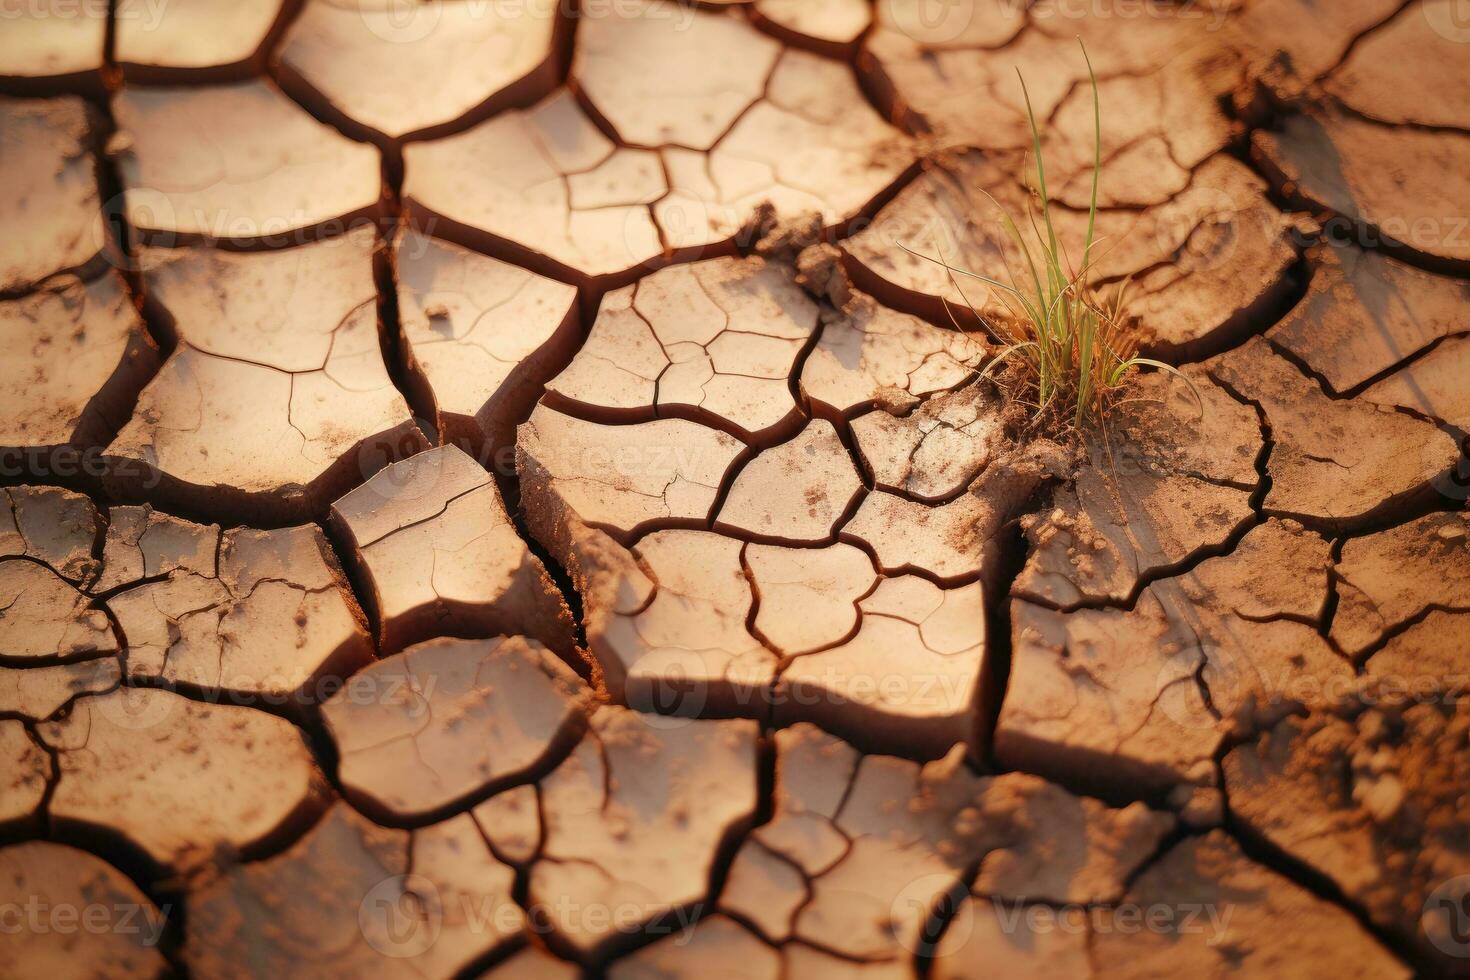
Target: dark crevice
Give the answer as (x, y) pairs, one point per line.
(1263, 852)
(416, 393)
(995, 680)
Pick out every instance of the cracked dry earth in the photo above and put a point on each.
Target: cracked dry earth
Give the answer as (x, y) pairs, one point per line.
(485, 495)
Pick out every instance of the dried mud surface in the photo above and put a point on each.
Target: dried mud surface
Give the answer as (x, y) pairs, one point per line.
(485, 493)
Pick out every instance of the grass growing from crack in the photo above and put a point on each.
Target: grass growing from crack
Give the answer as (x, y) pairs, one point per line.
(1075, 347)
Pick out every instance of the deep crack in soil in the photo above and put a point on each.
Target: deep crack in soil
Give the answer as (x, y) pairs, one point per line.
(484, 493)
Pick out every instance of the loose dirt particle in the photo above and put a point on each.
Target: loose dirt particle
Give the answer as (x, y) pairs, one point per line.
(1373, 802)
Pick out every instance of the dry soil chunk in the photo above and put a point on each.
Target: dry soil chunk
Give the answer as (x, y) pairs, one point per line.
(1334, 160)
(909, 680)
(449, 720)
(53, 41)
(45, 619)
(277, 398)
(881, 840)
(37, 693)
(710, 68)
(619, 477)
(192, 38)
(937, 450)
(45, 542)
(829, 26)
(143, 543)
(441, 556)
(1142, 698)
(481, 335)
(546, 183)
(1428, 656)
(813, 145)
(635, 819)
(1373, 802)
(72, 937)
(808, 596)
(351, 898)
(1433, 386)
(1167, 483)
(75, 356)
(1274, 925)
(1159, 76)
(511, 822)
(274, 626)
(686, 649)
(1161, 128)
(1364, 313)
(716, 946)
(765, 890)
(870, 355)
(1289, 45)
(795, 492)
(714, 340)
(54, 527)
(953, 542)
(1388, 580)
(400, 71)
(127, 757)
(28, 772)
(1334, 462)
(1412, 53)
(236, 163)
(51, 208)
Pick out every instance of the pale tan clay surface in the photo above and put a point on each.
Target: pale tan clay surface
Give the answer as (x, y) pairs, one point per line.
(75, 356)
(431, 537)
(394, 71)
(275, 389)
(398, 725)
(193, 38)
(479, 335)
(198, 763)
(62, 876)
(264, 617)
(235, 163)
(51, 207)
(493, 489)
(53, 40)
(357, 882)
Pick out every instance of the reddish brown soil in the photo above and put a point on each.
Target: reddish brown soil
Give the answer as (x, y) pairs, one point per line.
(486, 494)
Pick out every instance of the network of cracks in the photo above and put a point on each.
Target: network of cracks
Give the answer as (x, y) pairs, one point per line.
(492, 490)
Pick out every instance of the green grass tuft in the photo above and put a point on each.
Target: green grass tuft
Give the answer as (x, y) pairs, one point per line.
(1075, 347)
